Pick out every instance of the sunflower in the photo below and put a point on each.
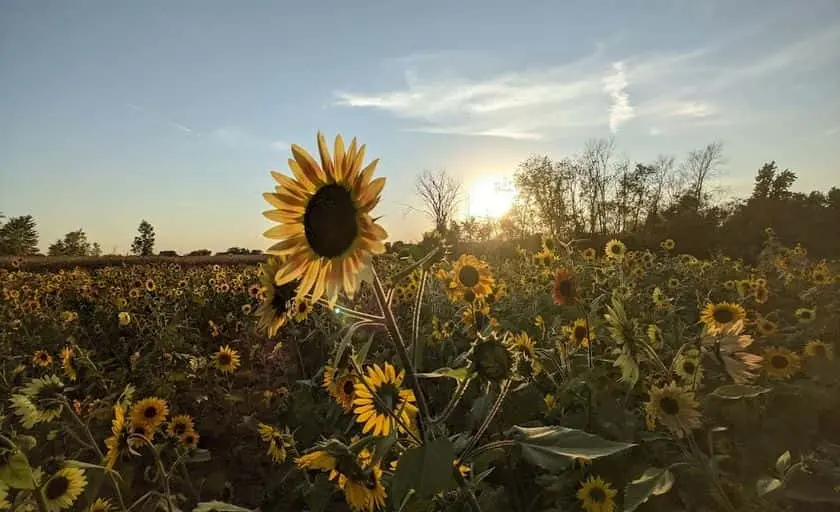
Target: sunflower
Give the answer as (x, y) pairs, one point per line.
(42, 358)
(471, 277)
(761, 294)
(100, 505)
(276, 443)
(318, 459)
(179, 425)
(375, 407)
(301, 310)
(149, 412)
(821, 275)
(668, 244)
(40, 401)
(688, 367)
(63, 488)
(589, 254)
(673, 282)
(345, 391)
(780, 363)
(596, 495)
(325, 227)
(655, 336)
(276, 308)
(189, 439)
(564, 289)
(766, 327)
(579, 333)
(363, 490)
(615, 250)
(118, 442)
(492, 360)
(819, 349)
(806, 315)
(226, 359)
(523, 344)
(68, 357)
(123, 318)
(718, 316)
(674, 407)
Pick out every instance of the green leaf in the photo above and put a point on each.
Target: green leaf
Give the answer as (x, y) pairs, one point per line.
(767, 485)
(198, 455)
(363, 351)
(219, 506)
(653, 482)
(382, 446)
(458, 374)
(229, 397)
(26, 442)
(551, 447)
(84, 465)
(347, 339)
(17, 473)
(426, 469)
(783, 463)
(738, 391)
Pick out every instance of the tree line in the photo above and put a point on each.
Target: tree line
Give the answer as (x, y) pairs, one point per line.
(595, 196)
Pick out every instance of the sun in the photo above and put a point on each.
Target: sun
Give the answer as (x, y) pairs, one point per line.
(490, 196)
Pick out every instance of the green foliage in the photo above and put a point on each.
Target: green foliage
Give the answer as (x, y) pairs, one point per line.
(144, 242)
(74, 243)
(425, 470)
(554, 447)
(19, 237)
(653, 482)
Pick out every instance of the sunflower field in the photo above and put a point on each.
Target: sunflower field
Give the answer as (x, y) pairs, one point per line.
(338, 376)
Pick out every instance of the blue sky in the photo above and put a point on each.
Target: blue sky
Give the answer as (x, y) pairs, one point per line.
(176, 111)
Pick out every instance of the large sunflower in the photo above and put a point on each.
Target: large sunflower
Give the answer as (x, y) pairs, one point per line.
(674, 407)
(471, 278)
(563, 290)
(720, 315)
(40, 401)
(276, 308)
(780, 363)
(63, 488)
(149, 412)
(325, 227)
(376, 413)
(226, 359)
(596, 495)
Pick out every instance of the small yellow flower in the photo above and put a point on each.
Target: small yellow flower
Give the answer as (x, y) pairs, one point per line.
(819, 349)
(596, 495)
(226, 359)
(124, 318)
(42, 358)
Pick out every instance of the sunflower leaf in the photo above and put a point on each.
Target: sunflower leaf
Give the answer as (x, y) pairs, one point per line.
(738, 391)
(219, 506)
(458, 374)
(17, 473)
(653, 482)
(767, 485)
(426, 469)
(783, 463)
(347, 339)
(551, 447)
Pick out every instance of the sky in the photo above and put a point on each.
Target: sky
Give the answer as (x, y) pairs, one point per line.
(175, 112)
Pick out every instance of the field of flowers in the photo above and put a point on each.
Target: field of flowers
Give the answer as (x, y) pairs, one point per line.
(335, 376)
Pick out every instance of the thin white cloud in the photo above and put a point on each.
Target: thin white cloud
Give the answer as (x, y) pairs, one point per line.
(615, 85)
(162, 119)
(670, 90)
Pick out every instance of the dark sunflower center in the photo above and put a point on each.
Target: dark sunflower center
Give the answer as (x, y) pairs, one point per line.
(56, 487)
(179, 429)
(224, 358)
(565, 288)
(349, 387)
(42, 356)
(669, 405)
(469, 296)
(819, 350)
(580, 332)
(189, 439)
(805, 315)
(616, 249)
(723, 315)
(689, 367)
(468, 276)
(282, 295)
(389, 396)
(330, 221)
(779, 362)
(597, 495)
(490, 299)
(150, 412)
(302, 307)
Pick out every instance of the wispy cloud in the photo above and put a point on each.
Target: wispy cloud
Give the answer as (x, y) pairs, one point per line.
(615, 85)
(163, 119)
(698, 86)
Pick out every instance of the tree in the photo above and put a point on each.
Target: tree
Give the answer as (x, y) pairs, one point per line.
(440, 194)
(18, 237)
(144, 243)
(701, 165)
(74, 243)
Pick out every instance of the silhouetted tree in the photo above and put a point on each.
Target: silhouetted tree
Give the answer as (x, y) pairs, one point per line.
(144, 242)
(74, 243)
(440, 195)
(19, 237)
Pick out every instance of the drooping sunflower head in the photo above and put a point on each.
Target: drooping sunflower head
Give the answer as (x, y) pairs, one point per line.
(323, 211)
(149, 412)
(277, 305)
(523, 344)
(781, 363)
(362, 483)
(674, 407)
(718, 316)
(179, 425)
(819, 349)
(379, 397)
(596, 495)
(615, 250)
(492, 360)
(471, 278)
(564, 289)
(806, 315)
(42, 358)
(226, 359)
(100, 505)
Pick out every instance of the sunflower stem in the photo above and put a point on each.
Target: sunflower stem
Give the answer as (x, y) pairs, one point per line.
(358, 315)
(397, 340)
(495, 445)
(453, 402)
(466, 489)
(409, 269)
(503, 390)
